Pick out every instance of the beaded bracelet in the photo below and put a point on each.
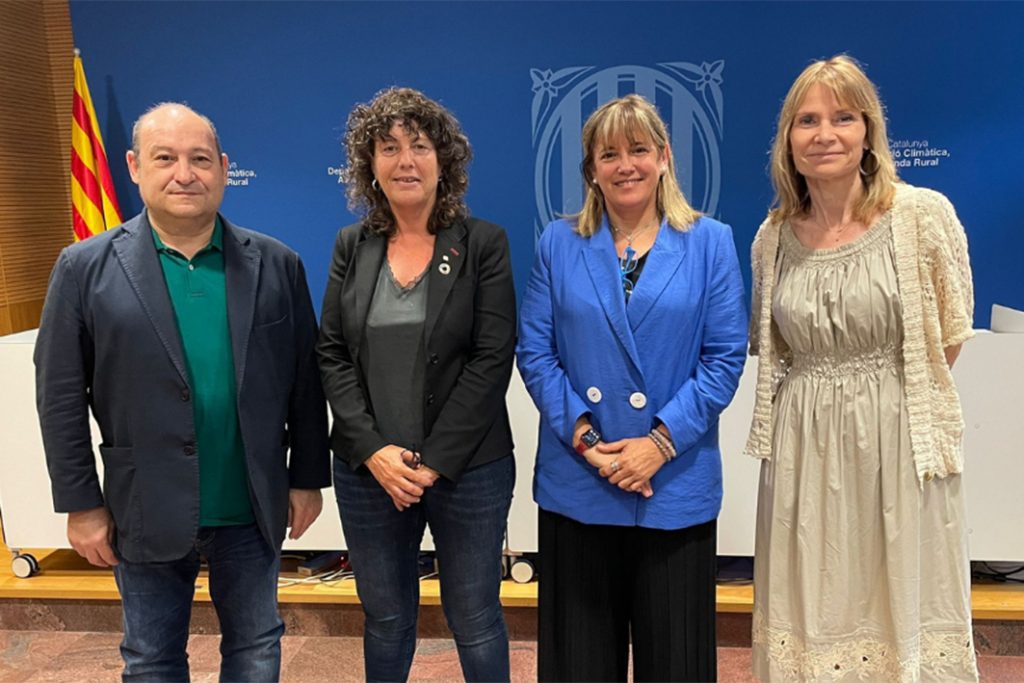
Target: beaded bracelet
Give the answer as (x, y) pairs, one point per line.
(661, 446)
(666, 447)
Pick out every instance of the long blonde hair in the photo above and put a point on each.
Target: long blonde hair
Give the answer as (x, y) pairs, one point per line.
(845, 78)
(635, 118)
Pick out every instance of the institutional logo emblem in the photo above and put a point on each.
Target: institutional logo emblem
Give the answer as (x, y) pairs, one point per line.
(688, 96)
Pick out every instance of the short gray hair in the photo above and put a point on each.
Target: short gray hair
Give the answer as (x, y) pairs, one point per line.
(166, 105)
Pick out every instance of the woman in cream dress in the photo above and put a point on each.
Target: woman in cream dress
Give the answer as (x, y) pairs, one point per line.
(862, 298)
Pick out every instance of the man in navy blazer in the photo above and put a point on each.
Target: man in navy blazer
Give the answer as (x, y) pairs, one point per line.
(192, 342)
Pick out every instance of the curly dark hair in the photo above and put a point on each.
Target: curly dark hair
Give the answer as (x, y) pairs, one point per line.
(416, 112)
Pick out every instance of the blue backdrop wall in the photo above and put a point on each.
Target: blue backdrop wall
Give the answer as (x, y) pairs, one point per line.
(279, 79)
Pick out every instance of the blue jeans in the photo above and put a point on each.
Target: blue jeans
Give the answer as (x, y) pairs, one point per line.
(157, 601)
(467, 520)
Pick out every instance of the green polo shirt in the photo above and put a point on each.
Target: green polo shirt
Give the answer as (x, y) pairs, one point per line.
(199, 297)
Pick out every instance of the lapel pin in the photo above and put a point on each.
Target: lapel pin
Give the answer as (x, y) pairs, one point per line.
(444, 257)
(453, 250)
(444, 269)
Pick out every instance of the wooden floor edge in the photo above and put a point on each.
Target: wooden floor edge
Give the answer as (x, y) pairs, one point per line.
(65, 576)
(990, 602)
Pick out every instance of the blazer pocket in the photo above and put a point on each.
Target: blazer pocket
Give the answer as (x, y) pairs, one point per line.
(274, 335)
(120, 490)
(266, 324)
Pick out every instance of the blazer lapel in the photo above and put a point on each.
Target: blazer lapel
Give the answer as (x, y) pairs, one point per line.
(241, 280)
(663, 261)
(603, 266)
(449, 253)
(367, 261)
(137, 253)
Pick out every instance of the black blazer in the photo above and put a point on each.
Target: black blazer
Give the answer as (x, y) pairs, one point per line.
(469, 342)
(109, 340)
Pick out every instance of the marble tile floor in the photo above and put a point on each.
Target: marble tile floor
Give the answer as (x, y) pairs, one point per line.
(90, 657)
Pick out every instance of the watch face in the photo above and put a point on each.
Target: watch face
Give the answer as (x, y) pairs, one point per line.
(590, 438)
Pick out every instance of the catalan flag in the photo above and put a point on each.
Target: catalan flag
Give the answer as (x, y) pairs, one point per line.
(93, 201)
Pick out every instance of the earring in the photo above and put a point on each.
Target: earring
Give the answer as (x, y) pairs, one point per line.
(863, 171)
(374, 184)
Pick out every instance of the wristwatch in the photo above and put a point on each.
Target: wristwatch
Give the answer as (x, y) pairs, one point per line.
(588, 440)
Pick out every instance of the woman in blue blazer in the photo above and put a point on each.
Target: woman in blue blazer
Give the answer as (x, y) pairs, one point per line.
(631, 343)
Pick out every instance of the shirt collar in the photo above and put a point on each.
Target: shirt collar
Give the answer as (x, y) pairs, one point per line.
(216, 240)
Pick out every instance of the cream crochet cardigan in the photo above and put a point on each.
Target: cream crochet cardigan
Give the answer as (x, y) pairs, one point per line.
(934, 280)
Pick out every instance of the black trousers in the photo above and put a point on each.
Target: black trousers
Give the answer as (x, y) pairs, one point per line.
(602, 586)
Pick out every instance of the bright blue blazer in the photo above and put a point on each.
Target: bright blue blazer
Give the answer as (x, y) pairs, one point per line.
(680, 344)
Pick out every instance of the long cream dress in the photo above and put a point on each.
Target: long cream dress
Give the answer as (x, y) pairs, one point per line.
(861, 572)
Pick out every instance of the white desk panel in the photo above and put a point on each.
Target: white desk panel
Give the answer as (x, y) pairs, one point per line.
(989, 373)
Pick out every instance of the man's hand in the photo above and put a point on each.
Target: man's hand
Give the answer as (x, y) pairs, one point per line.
(403, 483)
(91, 533)
(304, 507)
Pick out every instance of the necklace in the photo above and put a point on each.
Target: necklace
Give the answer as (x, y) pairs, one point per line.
(835, 234)
(637, 231)
(630, 252)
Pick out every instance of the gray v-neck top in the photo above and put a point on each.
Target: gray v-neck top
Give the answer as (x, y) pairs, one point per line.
(395, 357)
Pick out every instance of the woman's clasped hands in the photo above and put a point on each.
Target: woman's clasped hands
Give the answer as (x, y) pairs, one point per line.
(632, 464)
(626, 463)
(400, 474)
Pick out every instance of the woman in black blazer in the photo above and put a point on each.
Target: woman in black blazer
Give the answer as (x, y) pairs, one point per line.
(416, 346)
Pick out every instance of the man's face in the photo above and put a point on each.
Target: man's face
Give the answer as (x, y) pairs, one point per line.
(177, 170)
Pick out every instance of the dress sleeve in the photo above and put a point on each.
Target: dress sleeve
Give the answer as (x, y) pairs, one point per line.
(949, 267)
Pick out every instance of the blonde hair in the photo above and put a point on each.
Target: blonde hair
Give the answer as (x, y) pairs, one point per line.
(846, 79)
(635, 118)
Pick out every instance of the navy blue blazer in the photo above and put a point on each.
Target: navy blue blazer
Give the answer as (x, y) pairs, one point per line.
(674, 355)
(108, 340)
